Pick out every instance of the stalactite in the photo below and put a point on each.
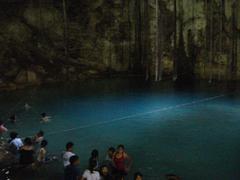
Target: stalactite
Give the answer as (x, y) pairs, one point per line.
(157, 44)
(211, 39)
(138, 37)
(175, 42)
(233, 65)
(146, 39)
(65, 29)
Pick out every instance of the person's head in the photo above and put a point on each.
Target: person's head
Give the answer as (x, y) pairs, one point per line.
(13, 117)
(28, 141)
(74, 160)
(94, 154)
(1, 123)
(172, 177)
(120, 148)
(43, 115)
(111, 151)
(104, 171)
(69, 146)
(13, 135)
(40, 133)
(44, 143)
(92, 165)
(138, 176)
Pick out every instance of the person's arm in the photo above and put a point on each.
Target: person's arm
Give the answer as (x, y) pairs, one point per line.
(129, 162)
(4, 129)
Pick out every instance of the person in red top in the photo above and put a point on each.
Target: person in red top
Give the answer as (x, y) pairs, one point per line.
(122, 161)
(3, 129)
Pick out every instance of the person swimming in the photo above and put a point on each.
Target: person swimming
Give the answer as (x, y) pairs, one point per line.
(13, 118)
(45, 118)
(27, 106)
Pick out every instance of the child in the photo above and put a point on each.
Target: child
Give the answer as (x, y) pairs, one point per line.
(41, 158)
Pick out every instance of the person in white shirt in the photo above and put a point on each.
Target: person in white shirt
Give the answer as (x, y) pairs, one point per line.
(68, 154)
(90, 173)
(15, 143)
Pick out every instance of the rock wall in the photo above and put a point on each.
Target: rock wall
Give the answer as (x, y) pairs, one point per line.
(68, 39)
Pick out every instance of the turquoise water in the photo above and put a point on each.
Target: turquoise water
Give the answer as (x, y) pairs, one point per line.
(165, 129)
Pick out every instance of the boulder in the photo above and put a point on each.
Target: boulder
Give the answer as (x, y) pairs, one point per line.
(27, 77)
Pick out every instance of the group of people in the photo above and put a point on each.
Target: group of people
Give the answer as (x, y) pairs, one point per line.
(115, 166)
(32, 152)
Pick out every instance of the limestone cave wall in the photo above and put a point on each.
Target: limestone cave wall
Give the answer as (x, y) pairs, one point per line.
(48, 40)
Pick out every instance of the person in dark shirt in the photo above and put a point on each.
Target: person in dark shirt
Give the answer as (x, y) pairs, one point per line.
(72, 172)
(27, 152)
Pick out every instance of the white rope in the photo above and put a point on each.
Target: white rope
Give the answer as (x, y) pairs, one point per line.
(137, 115)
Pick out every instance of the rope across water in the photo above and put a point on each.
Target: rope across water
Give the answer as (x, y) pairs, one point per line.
(136, 115)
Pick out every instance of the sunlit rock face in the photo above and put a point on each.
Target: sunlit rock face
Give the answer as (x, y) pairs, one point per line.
(119, 36)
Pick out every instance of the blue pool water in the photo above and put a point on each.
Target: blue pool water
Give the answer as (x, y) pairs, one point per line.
(192, 132)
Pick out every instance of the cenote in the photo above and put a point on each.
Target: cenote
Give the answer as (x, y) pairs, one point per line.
(192, 132)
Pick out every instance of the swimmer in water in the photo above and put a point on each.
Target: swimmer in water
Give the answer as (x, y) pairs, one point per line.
(27, 106)
(45, 118)
(13, 119)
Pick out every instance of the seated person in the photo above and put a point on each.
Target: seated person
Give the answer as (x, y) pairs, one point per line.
(45, 118)
(26, 153)
(3, 129)
(71, 171)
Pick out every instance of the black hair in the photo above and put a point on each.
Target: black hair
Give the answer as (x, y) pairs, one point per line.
(69, 145)
(28, 141)
(121, 146)
(112, 149)
(44, 143)
(94, 153)
(43, 114)
(137, 174)
(101, 168)
(92, 165)
(1, 123)
(13, 135)
(13, 117)
(40, 133)
(73, 159)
